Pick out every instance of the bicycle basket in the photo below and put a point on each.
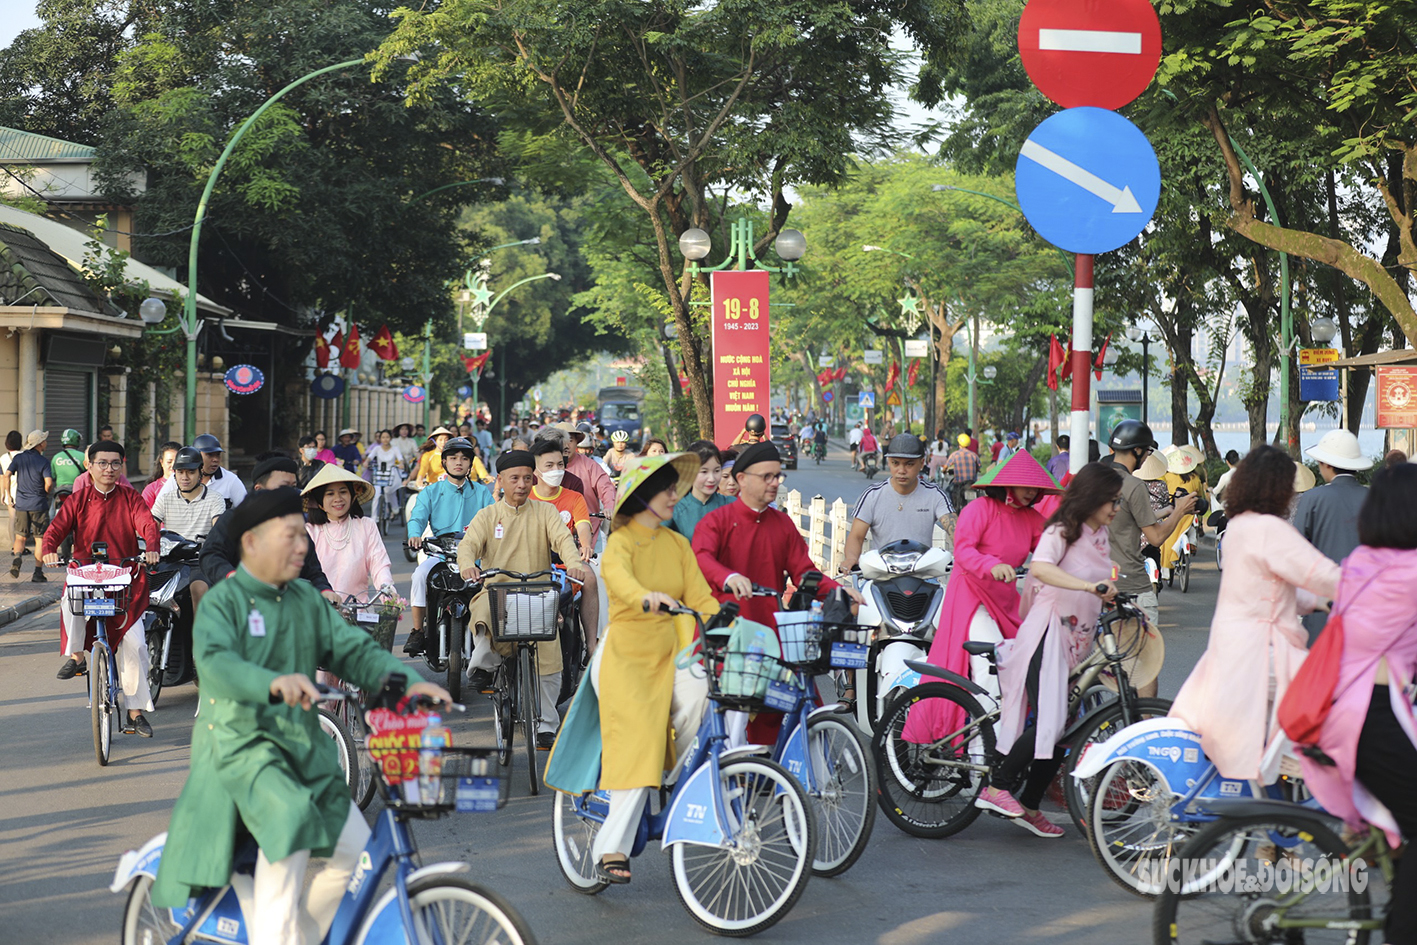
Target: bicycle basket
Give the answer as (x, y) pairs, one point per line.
(374, 618)
(848, 645)
(524, 612)
(744, 670)
(97, 600)
(800, 633)
(431, 782)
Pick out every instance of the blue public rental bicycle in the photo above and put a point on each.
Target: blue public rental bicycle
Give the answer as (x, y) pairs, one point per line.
(820, 745)
(426, 904)
(737, 825)
(99, 591)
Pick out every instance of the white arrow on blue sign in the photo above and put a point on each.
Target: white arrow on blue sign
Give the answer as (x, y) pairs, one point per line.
(868, 398)
(1088, 180)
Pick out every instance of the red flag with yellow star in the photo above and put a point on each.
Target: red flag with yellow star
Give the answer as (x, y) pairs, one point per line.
(349, 351)
(383, 344)
(322, 352)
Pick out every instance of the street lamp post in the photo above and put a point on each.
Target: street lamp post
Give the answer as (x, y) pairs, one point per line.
(1138, 334)
(990, 372)
(189, 324)
(931, 414)
(481, 319)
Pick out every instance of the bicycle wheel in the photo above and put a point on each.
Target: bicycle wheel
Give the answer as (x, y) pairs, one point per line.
(742, 890)
(843, 794)
(380, 517)
(574, 837)
(503, 716)
(530, 710)
(1130, 828)
(1183, 566)
(344, 746)
(1078, 793)
(154, 638)
(449, 909)
(144, 923)
(102, 703)
(454, 636)
(928, 789)
(1265, 878)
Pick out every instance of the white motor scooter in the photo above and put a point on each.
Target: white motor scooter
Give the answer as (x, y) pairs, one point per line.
(902, 585)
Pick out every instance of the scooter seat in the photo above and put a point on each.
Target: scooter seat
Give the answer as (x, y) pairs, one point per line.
(979, 648)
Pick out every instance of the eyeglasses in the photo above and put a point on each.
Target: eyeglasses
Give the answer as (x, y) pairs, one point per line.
(769, 478)
(108, 464)
(1117, 502)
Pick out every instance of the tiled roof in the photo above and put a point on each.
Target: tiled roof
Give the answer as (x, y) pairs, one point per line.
(17, 145)
(27, 265)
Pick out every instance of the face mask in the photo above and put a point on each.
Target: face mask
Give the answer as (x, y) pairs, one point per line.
(553, 477)
(309, 452)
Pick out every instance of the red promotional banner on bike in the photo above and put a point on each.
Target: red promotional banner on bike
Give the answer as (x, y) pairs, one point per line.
(741, 366)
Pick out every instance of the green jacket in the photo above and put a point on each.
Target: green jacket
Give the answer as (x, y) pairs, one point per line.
(270, 767)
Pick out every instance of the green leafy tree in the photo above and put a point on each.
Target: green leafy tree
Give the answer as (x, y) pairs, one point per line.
(684, 104)
(317, 209)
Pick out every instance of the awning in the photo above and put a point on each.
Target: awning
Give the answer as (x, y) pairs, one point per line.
(21, 317)
(1405, 356)
(73, 246)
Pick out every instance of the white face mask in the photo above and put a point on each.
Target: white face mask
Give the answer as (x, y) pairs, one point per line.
(553, 477)
(309, 452)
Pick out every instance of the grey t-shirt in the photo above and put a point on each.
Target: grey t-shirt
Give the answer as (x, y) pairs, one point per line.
(1135, 514)
(893, 516)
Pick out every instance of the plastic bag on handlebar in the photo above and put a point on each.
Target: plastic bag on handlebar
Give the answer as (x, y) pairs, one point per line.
(837, 608)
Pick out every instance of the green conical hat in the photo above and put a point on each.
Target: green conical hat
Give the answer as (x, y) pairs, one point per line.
(641, 468)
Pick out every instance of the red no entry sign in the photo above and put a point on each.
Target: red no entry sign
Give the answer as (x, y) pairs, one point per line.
(1090, 52)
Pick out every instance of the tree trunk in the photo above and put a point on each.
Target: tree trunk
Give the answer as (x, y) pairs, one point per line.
(1181, 362)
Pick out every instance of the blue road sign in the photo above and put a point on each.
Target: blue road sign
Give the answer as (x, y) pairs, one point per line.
(868, 398)
(827, 396)
(465, 391)
(1318, 384)
(1088, 180)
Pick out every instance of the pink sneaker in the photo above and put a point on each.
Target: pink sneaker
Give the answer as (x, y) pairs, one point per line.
(1040, 825)
(1000, 802)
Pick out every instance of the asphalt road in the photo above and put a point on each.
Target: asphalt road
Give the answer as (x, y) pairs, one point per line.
(64, 822)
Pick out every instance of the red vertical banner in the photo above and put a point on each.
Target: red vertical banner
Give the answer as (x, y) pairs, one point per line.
(741, 366)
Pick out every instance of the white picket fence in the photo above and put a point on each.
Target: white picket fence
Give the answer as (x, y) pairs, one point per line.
(825, 529)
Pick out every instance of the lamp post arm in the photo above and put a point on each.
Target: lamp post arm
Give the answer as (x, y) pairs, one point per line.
(189, 309)
(503, 294)
(460, 183)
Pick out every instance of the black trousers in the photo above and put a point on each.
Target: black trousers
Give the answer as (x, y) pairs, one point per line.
(1041, 771)
(1387, 766)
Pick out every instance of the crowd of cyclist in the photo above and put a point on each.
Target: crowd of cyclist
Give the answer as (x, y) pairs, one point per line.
(548, 488)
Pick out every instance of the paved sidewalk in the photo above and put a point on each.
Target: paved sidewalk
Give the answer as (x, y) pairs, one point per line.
(19, 597)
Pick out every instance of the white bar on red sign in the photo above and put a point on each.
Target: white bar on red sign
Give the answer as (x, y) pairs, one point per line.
(1101, 41)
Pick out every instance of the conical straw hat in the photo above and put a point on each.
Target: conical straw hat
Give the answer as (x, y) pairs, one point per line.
(1022, 471)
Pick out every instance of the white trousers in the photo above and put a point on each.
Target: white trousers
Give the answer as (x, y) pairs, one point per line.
(983, 628)
(131, 657)
(617, 834)
(281, 915)
(418, 590)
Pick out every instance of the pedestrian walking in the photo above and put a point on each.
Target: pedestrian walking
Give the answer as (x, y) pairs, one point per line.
(33, 479)
(1328, 516)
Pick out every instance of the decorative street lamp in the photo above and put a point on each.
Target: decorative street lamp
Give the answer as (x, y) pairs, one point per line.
(1136, 333)
(695, 244)
(1323, 330)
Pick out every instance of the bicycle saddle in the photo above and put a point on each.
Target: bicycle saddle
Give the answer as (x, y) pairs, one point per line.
(979, 648)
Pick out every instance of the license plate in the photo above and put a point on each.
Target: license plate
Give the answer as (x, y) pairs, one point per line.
(366, 616)
(100, 607)
(781, 696)
(476, 795)
(849, 655)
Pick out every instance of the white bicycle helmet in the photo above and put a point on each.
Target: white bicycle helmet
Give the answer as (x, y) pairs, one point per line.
(619, 436)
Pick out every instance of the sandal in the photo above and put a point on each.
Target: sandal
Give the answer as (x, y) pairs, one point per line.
(614, 868)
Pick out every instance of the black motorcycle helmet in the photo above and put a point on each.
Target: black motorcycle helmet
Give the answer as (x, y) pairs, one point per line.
(206, 443)
(1131, 435)
(188, 457)
(458, 444)
(756, 424)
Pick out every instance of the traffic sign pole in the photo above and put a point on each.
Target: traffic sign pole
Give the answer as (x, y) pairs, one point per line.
(1081, 360)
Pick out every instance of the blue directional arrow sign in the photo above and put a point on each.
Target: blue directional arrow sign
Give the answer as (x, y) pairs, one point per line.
(1087, 179)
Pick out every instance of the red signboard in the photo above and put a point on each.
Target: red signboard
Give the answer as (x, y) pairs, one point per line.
(1090, 52)
(740, 350)
(1397, 397)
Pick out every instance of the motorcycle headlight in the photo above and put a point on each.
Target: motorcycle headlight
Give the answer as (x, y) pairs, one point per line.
(900, 563)
(165, 593)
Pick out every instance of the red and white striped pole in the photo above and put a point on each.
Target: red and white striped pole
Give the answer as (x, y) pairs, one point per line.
(1081, 362)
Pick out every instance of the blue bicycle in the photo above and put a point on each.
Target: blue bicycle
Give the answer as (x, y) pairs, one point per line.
(820, 745)
(100, 591)
(425, 904)
(737, 824)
